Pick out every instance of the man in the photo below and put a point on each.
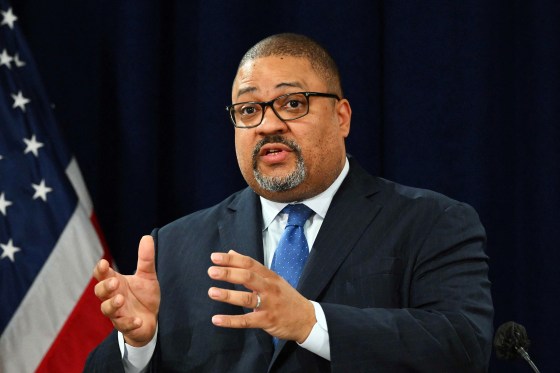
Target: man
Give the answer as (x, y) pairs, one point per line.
(395, 279)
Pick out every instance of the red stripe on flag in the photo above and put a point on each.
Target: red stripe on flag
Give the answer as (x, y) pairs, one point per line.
(85, 328)
(83, 331)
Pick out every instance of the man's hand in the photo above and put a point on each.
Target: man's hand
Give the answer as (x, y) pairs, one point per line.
(131, 302)
(283, 312)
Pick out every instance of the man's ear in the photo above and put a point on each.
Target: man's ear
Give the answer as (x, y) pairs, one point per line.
(344, 114)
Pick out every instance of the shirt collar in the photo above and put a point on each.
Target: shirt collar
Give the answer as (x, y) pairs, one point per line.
(319, 203)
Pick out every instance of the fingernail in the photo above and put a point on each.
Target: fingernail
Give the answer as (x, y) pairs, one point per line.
(214, 272)
(216, 257)
(217, 320)
(214, 293)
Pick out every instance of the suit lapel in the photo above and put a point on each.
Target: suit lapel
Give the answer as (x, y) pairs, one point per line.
(240, 227)
(240, 230)
(350, 213)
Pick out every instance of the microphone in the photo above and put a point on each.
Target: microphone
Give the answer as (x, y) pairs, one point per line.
(511, 341)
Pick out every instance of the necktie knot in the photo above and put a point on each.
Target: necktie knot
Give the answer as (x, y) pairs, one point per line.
(297, 214)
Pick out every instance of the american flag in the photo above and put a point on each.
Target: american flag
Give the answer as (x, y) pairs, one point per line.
(49, 241)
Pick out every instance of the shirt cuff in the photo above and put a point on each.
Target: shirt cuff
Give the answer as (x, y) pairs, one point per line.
(136, 359)
(318, 340)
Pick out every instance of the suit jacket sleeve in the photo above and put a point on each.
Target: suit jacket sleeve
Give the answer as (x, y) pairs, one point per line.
(106, 357)
(444, 322)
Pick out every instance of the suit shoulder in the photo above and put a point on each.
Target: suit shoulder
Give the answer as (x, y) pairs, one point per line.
(393, 193)
(415, 197)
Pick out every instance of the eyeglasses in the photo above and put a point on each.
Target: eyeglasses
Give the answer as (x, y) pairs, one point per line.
(286, 107)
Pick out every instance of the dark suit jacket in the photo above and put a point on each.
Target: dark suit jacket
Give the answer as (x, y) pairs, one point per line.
(400, 272)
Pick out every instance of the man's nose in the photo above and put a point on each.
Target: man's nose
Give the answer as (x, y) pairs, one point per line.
(271, 123)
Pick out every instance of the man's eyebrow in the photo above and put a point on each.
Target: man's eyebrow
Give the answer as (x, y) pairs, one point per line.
(289, 84)
(242, 91)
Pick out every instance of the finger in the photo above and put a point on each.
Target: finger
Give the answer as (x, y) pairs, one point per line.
(238, 276)
(146, 257)
(248, 320)
(110, 306)
(237, 298)
(236, 260)
(126, 324)
(102, 270)
(106, 288)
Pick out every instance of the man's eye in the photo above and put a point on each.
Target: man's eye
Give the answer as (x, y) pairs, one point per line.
(248, 110)
(294, 104)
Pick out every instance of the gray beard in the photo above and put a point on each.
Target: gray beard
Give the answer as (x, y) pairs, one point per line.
(279, 184)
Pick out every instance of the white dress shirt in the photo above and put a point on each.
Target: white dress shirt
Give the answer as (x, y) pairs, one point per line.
(136, 359)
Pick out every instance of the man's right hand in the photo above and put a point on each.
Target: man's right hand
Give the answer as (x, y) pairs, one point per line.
(131, 302)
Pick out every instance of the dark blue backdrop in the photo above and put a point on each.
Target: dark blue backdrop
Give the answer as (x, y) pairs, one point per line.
(457, 96)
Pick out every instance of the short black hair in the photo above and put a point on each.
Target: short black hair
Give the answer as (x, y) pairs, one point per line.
(296, 45)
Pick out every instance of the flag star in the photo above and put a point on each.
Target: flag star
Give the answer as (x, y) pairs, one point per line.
(8, 250)
(6, 59)
(41, 190)
(4, 203)
(17, 61)
(8, 18)
(32, 146)
(20, 101)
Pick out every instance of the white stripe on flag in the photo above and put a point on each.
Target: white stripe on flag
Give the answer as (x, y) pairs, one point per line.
(54, 294)
(75, 176)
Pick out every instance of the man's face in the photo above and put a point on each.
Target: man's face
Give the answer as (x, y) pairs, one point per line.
(297, 159)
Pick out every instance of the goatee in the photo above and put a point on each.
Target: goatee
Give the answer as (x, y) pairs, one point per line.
(279, 183)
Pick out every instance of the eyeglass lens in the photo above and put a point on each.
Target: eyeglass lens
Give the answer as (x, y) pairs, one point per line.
(287, 107)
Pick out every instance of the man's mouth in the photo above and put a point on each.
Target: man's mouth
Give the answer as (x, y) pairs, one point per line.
(273, 149)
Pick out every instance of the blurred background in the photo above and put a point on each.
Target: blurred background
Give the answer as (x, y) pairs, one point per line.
(461, 97)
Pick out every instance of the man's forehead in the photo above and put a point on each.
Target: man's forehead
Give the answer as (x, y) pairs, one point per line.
(277, 64)
(274, 72)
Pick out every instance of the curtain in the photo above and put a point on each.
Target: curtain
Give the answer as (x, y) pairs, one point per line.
(456, 96)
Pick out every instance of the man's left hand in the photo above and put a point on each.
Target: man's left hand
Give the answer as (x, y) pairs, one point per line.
(282, 312)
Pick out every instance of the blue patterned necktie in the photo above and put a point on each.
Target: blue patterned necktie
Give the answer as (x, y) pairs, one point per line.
(293, 250)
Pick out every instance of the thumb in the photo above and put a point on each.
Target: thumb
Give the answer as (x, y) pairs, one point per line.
(146, 256)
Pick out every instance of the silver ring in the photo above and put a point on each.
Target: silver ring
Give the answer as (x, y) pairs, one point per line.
(258, 301)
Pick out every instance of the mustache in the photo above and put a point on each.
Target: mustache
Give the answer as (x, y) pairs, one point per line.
(277, 139)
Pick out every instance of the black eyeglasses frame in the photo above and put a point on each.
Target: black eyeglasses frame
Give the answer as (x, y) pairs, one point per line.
(264, 104)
